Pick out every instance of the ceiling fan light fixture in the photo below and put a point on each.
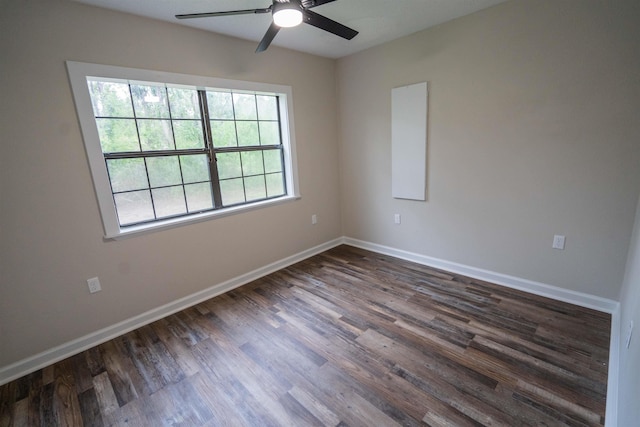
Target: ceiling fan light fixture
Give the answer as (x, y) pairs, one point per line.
(287, 14)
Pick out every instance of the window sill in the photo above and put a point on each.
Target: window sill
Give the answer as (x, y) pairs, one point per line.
(136, 230)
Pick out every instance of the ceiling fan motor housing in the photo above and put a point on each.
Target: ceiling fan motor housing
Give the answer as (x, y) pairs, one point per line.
(287, 13)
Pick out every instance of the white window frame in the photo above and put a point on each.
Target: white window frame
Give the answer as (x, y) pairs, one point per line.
(78, 73)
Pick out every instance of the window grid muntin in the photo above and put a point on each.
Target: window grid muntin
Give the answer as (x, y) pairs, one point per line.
(209, 149)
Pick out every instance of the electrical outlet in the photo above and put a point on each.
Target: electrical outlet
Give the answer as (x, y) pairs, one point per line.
(629, 332)
(558, 242)
(314, 219)
(94, 285)
(397, 219)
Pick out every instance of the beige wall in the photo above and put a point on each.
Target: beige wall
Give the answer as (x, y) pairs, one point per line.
(51, 233)
(533, 131)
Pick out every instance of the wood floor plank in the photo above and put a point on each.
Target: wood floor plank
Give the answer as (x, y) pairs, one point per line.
(223, 411)
(80, 373)
(344, 338)
(133, 414)
(354, 404)
(255, 381)
(178, 404)
(119, 370)
(34, 410)
(90, 408)
(176, 346)
(46, 415)
(105, 394)
(325, 415)
(302, 416)
(65, 399)
(21, 413)
(7, 402)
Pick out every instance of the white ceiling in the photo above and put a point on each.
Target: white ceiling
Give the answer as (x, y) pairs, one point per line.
(378, 21)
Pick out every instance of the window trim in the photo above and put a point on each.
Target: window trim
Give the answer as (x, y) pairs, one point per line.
(78, 73)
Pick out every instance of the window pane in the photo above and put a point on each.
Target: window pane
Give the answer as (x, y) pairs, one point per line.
(255, 188)
(232, 191)
(188, 134)
(184, 103)
(127, 174)
(163, 171)
(110, 99)
(269, 133)
(195, 168)
(118, 135)
(198, 197)
(248, 133)
(275, 184)
(252, 163)
(155, 135)
(220, 105)
(223, 133)
(272, 161)
(168, 201)
(244, 106)
(150, 101)
(134, 207)
(267, 107)
(229, 165)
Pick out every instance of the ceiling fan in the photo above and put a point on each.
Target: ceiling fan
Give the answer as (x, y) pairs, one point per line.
(286, 13)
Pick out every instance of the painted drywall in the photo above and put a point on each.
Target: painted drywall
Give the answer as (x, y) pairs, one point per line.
(533, 131)
(629, 364)
(51, 235)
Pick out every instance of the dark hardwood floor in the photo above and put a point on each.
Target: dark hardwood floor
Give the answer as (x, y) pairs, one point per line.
(347, 337)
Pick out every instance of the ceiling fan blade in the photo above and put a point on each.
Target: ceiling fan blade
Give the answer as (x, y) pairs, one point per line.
(268, 38)
(329, 25)
(308, 4)
(224, 13)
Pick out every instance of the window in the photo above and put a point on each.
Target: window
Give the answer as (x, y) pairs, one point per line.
(165, 149)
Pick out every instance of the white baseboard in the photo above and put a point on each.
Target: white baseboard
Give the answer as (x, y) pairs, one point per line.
(39, 361)
(578, 298)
